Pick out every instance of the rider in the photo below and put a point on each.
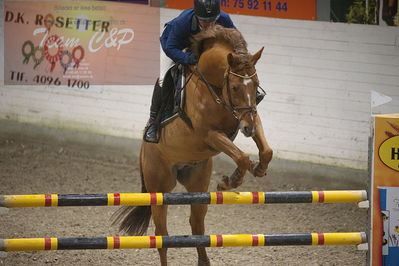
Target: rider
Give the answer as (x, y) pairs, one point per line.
(174, 39)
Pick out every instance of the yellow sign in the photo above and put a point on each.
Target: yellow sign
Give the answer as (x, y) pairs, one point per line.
(385, 173)
(389, 153)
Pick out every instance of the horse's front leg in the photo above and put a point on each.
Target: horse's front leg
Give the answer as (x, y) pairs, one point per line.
(219, 141)
(265, 152)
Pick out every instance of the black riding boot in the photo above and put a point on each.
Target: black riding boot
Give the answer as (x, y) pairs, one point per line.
(151, 130)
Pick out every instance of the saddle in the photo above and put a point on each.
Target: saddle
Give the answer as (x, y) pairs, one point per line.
(174, 98)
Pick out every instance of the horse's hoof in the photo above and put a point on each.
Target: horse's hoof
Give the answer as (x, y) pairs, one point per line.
(259, 172)
(222, 187)
(237, 183)
(256, 170)
(224, 184)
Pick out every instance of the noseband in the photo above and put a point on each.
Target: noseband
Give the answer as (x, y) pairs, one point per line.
(234, 110)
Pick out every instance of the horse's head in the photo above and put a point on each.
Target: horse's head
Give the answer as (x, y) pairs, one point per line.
(224, 51)
(241, 83)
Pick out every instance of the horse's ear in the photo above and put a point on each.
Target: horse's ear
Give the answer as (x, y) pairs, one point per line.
(256, 56)
(231, 59)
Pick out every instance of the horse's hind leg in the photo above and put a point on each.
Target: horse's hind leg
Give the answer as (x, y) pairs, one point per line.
(196, 179)
(158, 177)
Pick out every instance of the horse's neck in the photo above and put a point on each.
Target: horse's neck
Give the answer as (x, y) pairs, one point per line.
(213, 64)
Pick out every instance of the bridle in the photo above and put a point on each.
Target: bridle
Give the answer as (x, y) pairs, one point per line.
(229, 106)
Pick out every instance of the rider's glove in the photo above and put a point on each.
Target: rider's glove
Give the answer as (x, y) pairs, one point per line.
(192, 59)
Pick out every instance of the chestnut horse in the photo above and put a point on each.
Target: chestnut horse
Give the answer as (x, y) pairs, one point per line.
(220, 99)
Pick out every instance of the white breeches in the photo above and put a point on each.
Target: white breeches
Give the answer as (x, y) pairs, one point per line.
(166, 63)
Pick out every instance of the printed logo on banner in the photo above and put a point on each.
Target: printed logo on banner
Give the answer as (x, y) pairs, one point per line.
(290, 9)
(389, 153)
(80, 43)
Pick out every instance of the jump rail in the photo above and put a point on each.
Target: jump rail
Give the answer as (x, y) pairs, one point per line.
(145, 199)
(138, 242)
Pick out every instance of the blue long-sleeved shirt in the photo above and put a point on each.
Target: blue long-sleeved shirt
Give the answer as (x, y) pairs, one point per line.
(177, 33)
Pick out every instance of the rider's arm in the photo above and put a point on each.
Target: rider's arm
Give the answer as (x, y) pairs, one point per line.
(226, 21)
(173, 47)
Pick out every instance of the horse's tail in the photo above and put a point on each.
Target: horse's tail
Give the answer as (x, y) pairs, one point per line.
(134, 220)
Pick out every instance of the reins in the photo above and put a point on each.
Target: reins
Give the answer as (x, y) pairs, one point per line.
(229, 107)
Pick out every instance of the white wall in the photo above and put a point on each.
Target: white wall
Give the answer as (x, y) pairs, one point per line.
(318, 77)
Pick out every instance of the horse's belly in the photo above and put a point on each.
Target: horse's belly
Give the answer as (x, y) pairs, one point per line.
(186, 150)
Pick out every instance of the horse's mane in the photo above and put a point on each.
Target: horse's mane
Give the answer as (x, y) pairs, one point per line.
(218, 33)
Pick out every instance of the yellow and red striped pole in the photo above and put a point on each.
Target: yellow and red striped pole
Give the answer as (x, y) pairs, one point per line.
(141, 199)
(139, 242)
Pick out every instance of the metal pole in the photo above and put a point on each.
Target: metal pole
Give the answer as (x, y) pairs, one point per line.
(146, 199)
(139, 242)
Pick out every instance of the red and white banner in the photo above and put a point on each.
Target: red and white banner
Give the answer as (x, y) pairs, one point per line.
(80, 43)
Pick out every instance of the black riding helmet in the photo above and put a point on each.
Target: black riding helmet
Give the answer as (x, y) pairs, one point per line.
(207, 10)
